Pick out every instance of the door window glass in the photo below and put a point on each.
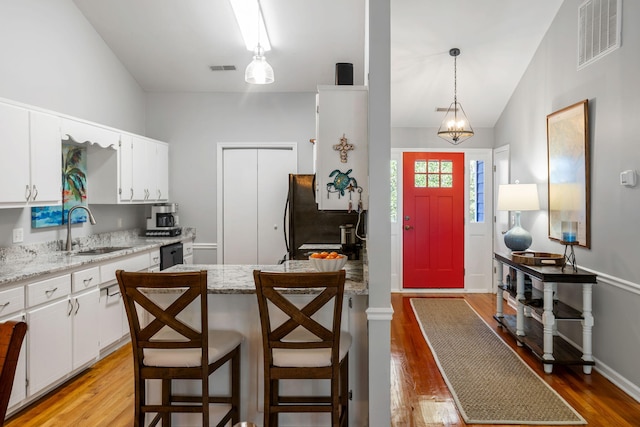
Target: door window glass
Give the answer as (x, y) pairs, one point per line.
(476, 190)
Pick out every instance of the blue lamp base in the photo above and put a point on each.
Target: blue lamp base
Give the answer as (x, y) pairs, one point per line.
(517, 238)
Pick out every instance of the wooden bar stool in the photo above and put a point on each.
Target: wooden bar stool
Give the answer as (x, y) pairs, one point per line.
(11, 337)
(167, 348)
(302, 347)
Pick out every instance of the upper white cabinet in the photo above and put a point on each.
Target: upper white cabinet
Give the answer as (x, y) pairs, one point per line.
(46, 185)
(150, 170)
(341, 158)
(136, 172)
(30, 143)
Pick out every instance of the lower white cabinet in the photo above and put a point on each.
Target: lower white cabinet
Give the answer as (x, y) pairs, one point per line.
(85, 327)
(63, 327)
(49, 344)
(111, 316)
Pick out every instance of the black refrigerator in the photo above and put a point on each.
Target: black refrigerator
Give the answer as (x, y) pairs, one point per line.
(309, 226)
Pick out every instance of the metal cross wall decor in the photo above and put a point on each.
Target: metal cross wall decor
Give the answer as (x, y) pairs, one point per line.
(343, 148)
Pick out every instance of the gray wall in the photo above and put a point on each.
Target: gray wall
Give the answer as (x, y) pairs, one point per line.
(52, 58)
(550, 83)
(194, 124)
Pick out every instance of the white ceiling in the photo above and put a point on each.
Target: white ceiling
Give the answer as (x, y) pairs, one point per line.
(168, 45)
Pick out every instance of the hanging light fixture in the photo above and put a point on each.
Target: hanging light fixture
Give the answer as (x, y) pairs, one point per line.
(455, 127)
(259, 71)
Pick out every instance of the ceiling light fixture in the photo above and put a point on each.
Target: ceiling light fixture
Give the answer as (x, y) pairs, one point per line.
(455, 127)
(248, 13)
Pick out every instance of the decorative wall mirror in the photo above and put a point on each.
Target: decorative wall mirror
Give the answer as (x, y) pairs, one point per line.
(568, 181)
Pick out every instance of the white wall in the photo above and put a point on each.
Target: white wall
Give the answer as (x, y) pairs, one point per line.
(52, 58)
(193, 124)
(550, 83)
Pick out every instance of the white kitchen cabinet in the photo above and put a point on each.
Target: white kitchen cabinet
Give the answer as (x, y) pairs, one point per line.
(150, 170)
(85, 324)
(84, 318)
(341, 155)
(46, 149)
(111, 316)
(31, 146)
(136, 172)
(49, 337)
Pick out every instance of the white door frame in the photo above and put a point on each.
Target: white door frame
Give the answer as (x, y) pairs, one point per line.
(487, 246)
(221, 146)
(502, 175)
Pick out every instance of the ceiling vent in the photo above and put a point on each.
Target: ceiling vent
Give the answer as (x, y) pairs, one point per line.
(599, 23)
(222, 67)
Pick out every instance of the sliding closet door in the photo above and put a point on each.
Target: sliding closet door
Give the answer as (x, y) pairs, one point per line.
(255, 183)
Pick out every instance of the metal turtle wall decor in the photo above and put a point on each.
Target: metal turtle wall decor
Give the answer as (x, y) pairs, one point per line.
(341, 182)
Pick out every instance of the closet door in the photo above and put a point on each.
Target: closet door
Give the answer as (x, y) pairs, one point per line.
(240, 210)
(274, 167)
(254, 193)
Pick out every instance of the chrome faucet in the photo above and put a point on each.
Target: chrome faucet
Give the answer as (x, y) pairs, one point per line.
(92, 220)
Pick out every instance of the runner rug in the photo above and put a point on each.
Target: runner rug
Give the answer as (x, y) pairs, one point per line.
(489, 382)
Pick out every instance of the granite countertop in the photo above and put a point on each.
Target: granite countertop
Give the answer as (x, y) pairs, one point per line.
(31, 261)
(238, 279)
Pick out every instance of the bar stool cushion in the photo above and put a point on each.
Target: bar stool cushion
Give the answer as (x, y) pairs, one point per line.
(220, 343)
(309, 358)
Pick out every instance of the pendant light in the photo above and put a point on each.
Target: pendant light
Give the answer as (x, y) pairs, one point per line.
(259, 72)
(455, 127)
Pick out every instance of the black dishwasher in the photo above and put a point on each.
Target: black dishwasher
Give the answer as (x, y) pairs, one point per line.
(171, 255)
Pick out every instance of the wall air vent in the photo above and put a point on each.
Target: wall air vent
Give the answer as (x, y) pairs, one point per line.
(599, 23)
(222, 67)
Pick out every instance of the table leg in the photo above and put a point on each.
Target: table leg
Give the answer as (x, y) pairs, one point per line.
(520, 305)
(587, 326)
(499, 290)
(548, 326)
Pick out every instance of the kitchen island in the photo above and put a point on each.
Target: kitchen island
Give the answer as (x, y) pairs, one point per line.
(232, 304)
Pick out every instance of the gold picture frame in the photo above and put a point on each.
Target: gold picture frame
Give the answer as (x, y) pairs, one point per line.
(568, 174)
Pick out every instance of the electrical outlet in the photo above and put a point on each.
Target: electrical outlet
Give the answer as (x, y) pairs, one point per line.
(119, 223)
(18, 235)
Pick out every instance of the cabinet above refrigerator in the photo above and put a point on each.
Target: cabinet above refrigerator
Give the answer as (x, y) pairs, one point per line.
(341, 155)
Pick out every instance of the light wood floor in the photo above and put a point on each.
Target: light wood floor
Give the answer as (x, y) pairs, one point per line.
(103, 395)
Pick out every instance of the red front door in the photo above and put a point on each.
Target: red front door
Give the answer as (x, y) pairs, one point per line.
(433, 220)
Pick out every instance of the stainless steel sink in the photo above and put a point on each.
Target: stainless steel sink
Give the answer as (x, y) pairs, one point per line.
(103, 250)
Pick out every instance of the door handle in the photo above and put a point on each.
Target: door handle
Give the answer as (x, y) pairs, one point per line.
(408, 227)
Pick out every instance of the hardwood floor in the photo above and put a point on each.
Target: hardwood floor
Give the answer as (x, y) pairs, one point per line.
(103, 395)
(420, 397)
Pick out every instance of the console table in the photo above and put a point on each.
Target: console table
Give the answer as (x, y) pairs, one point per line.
(541, 337)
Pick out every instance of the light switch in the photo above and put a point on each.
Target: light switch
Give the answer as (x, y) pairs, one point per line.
(18, 235)
(628, 178)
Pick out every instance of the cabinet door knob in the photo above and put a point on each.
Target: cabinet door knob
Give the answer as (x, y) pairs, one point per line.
(35, 193)
(408, 227)
(27, 192)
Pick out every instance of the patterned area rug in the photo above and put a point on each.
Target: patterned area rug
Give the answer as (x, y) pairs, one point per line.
(489, 382)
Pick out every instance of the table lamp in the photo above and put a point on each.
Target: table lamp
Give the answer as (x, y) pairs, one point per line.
(517, 198)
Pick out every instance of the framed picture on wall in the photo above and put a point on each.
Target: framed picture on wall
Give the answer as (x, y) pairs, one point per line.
(568, 166)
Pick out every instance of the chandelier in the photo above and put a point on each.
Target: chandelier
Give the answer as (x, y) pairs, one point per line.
(455, 127)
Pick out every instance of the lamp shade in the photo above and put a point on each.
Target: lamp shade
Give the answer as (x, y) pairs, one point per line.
(518, 197)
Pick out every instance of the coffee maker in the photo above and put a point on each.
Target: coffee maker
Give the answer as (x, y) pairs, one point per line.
(163, 220)
(348, 241)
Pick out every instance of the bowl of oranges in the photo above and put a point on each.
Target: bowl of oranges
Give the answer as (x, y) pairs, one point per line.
(327, 261)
